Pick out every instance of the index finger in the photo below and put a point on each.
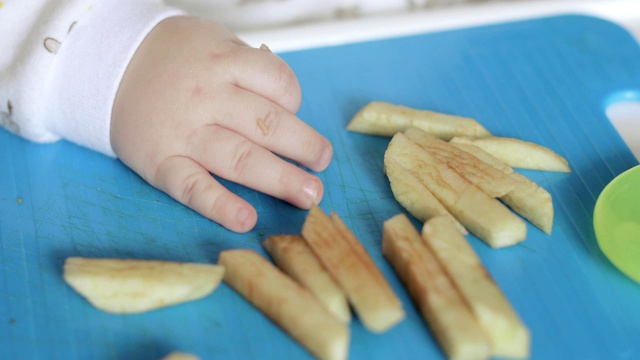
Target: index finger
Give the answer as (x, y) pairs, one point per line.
(265, 74)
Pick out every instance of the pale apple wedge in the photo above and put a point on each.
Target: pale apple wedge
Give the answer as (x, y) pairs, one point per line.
(486, 177)
(375, 303)
(440, 304)
(414, 196)
(488, 219)
(480, 214)
(286, 303)
(507, 334)
(519, 153)
(293, 256)
(528, 199)
(126, 286)
(532, 202)
(385, 119)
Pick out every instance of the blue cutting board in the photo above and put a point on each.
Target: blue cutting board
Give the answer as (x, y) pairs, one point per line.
(546, 80)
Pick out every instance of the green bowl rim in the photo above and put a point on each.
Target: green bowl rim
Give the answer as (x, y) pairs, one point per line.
(597, 211)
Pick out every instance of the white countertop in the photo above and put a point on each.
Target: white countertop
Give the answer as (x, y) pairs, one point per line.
(625, 116)
(333, 32)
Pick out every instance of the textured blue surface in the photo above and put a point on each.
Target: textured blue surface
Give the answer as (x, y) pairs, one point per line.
(546, 80)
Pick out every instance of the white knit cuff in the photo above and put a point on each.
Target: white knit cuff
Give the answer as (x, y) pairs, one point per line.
(89, 66)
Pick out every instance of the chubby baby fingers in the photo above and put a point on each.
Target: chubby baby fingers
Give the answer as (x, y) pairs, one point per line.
(266, 75)
(236, 158)
(186, 181)
(271, 126)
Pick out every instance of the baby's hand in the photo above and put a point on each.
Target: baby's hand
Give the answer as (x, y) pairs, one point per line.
(195, 100)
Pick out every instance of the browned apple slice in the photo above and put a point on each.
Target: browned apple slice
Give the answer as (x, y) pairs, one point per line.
(528, 199)
(373, 300)
(506, 333)
(442, 307)
(481, 214)
(287, 303)
(486, 177)
(292, 254)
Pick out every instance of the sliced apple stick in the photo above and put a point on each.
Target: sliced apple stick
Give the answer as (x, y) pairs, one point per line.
(287, 303)
(126, 286)
(385, 119)
(443, 182)
(488, 219)
(292, 254)
(481, 214)
(483, 155)
(486, 177)
(528, 199)
(374, 301)
(532, 202)
(506, 333)
(357, 248)
(442, 307)
(414, 196)
(519, 153)
(361, 253)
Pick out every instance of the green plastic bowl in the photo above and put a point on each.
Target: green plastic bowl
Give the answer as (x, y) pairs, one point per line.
(616, 221)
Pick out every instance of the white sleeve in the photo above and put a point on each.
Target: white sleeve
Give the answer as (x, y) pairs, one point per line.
(62, 64)
(61, 61)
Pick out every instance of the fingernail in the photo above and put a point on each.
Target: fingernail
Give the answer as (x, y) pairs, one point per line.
(242, 217)
(310, 189)
(325, 158)
(265, 47)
